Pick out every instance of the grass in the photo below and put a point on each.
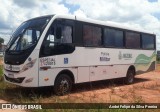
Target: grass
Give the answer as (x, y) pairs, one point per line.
(1, 72)
(15, 94)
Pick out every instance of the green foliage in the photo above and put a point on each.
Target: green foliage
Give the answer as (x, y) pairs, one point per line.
(158, 59)
(1, 40)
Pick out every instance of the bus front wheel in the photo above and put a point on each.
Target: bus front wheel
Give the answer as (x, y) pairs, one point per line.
(129, 79)
(63, 85)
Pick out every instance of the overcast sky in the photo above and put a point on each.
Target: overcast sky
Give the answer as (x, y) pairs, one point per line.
(141, 14)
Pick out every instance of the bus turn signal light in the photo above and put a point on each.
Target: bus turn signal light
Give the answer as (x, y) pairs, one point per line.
(46, 79)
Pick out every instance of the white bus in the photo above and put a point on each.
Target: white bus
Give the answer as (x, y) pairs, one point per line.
(61, 50)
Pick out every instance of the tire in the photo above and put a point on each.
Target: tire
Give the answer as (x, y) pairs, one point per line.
(129, 79)
(62, 85)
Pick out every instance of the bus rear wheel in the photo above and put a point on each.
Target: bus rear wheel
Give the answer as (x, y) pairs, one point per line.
(129, 79)
(63, 85)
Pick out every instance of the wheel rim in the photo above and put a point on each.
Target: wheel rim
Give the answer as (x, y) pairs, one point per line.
(64, 86)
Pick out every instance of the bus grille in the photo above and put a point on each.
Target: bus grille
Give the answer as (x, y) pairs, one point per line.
(14, 80)
(12, 71)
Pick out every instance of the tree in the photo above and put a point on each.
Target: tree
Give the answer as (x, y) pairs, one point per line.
(1, 41)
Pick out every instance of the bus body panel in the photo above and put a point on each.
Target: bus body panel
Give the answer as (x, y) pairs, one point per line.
(85, 64)
(83, 57)
(47, 77)
(91, 64)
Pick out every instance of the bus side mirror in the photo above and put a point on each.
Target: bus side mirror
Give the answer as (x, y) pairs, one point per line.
(58, 32)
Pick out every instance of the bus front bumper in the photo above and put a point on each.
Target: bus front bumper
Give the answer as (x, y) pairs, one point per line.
(22, 80)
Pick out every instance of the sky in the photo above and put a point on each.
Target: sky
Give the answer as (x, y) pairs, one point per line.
(139, 14)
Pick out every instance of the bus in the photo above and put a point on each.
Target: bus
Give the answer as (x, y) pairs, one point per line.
(63, 50)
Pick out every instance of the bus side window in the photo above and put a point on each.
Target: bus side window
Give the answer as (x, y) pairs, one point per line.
(87, 35)
(92, 35)
(132, 40)
(66, 34)
(48, 43)
(50, 38)
(148, 41)
(58, 40)
(113, 38)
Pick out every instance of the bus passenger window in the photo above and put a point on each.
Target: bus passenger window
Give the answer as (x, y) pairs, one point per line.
(113, 38)
(50, 38)
(148, 41)
(66, 34)
(132, 40)
(92, 35)
(58, 41)
(87, 35)
(97, 33)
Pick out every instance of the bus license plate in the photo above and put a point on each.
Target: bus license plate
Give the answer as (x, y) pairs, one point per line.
(11, 75)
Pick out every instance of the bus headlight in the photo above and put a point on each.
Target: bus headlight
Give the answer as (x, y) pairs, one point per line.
(28, 65)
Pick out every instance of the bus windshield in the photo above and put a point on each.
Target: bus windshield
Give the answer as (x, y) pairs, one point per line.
(28, 34)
